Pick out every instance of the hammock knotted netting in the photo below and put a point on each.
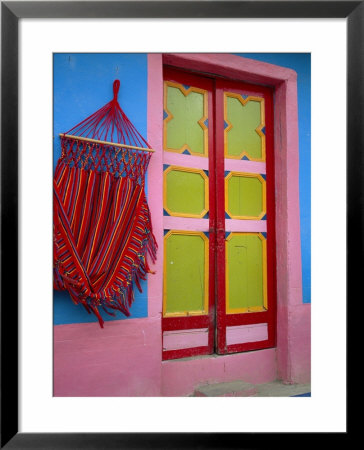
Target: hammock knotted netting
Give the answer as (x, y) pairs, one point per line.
(102, 225)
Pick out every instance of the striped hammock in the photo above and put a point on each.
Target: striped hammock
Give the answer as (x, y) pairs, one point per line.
(102, 227)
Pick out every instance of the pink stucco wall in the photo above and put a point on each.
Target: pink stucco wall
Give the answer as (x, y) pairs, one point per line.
(183, 377)
(124, 359)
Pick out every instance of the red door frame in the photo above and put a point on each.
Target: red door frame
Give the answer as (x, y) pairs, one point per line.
(217, 320)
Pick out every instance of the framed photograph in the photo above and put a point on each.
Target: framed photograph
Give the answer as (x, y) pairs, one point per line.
(150, 62)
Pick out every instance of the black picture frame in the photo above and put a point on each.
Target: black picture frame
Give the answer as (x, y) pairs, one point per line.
(11, 12)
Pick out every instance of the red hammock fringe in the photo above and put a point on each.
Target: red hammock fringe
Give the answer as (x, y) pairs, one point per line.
(102, 225)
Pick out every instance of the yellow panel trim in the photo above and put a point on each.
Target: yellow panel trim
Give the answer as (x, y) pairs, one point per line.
(258, 129)
(264, 201)
(169, 117)
(191, 170)
(206, 276)
(265, 290)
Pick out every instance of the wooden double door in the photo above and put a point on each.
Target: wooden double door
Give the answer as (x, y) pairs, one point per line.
(219, 293)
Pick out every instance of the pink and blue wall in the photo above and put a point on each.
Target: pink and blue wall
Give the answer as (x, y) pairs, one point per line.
(124, 359)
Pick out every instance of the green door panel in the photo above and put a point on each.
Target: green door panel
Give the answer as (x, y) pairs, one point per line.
(245, 254)
(186, 268)
(245, 195)
(182, 125)
(241, 136)
(186, 192)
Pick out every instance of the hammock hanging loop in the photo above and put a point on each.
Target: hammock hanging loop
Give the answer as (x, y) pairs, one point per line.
(116, 86)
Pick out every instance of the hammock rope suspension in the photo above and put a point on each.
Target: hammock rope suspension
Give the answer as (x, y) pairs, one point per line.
(102, 225)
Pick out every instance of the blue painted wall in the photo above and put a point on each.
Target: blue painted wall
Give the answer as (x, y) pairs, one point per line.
(83, 84)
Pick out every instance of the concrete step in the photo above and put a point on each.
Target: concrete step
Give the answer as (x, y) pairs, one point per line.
(231, 389)
(279, 389)
(241, 388)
